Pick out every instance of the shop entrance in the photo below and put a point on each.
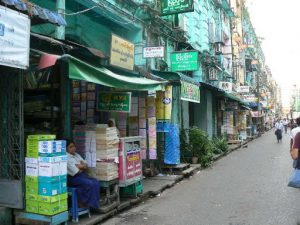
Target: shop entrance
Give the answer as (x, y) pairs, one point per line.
(11, 138)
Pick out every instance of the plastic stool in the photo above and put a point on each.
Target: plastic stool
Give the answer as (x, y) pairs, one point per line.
(75, 211)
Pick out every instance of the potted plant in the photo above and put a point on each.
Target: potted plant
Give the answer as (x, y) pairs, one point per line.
(200, 146)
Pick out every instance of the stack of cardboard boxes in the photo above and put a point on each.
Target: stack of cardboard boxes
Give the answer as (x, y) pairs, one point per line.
(46, 175)
(107, 144)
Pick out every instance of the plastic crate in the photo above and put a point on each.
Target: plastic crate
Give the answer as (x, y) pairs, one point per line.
(133, 189)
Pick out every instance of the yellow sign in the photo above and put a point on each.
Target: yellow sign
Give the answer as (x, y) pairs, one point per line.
(121, 53)
(164, 104)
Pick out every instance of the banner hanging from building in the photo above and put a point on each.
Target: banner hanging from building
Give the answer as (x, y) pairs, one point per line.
(184, 61)
(121, 53)
(14, 38)
(190, 92)
(114, 101)
(169, 7)
(164, 104)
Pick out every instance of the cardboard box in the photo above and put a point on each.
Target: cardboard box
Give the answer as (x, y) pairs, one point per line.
(31, 160)
(49, 169)
(52, 179)
(32, 187)
(31, 169)
(50, 199)
(52, 147)
(32, 206)
(53, 208)
(34, 197)
(31, 179)
(41, 137)
(52, 188)
(32, 154)
(53, 159)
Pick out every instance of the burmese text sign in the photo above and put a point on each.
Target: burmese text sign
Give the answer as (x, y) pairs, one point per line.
(184, 61)
(169, 7)
(114, 101)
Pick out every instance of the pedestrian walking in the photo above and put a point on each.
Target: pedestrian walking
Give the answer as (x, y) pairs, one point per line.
(294, 131)
(278, 130)
(285, 124)
(295, 149)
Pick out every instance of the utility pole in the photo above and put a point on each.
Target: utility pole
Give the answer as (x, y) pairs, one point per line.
(60, 30)
(257, 92)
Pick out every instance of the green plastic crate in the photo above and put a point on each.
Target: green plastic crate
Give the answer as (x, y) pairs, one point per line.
(133, 189)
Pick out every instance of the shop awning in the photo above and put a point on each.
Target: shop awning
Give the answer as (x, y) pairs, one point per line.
(190, 90)
(36, 11)
(175, 76)
(80, 70)
(211, 87)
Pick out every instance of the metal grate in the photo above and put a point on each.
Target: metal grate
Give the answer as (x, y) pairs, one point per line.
(11, 126)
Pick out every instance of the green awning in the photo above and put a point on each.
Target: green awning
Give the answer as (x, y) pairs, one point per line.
(80, 70)
(175, 76)
(235, 98)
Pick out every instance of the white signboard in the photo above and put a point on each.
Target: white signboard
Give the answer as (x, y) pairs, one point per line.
(250, 98)
(243, 89)
(226, 86)
(154, 52)
(14, 38)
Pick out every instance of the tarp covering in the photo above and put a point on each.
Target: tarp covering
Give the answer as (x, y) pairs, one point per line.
(35, 10)
(175, 76)
(79, 70)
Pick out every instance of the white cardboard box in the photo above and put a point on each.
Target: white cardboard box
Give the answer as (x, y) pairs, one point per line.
(53, 159)
(49, 169)
(32, 169)
(31, 160)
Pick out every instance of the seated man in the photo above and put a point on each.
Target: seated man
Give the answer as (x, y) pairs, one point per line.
(88, 187)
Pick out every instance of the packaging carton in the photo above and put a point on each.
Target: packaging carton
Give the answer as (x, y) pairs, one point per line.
(32, 187)
(32, 206)
(52, 188)
(31, 169)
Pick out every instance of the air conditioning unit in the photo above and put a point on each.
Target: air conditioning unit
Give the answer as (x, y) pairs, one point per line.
(212, 74)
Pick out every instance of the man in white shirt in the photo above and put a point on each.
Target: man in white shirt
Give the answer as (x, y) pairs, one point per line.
(279, 130)
(285, 124)
(295, 131)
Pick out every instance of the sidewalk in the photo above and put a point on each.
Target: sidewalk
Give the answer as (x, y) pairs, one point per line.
(153, 186)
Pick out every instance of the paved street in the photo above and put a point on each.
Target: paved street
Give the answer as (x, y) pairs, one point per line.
(248, 187)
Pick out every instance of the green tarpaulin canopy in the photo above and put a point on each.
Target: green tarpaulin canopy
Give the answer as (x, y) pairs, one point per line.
(79, 70)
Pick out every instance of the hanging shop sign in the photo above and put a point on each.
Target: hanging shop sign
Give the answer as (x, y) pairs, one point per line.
(154, 52)
(184, 61)
(164, 104)
(190, 92)
(114, 101)
(232, 105)
(121, 53)
(243, 89)
(250, 98)
(226, 86)
(169, 7)
(14, 38)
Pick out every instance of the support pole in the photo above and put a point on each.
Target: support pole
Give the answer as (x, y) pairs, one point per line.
(60, 30)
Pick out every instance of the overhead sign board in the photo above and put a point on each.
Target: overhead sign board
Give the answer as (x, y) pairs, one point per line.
(250, 98)
(114, 101)
(190, 92)
(226, 86)
(14, 38)
(169, 7)
(184, 61)
(243, 89)
(121, 53)
(154, 52)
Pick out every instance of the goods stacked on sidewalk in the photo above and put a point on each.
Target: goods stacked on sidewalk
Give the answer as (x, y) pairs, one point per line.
(107, 148)
(46, 175)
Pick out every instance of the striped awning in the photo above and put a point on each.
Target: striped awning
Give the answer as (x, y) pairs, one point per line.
(34, 10)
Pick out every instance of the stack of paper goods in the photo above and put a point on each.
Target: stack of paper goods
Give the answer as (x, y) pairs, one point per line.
(46, 175)
(107, 171)
(107, 138)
